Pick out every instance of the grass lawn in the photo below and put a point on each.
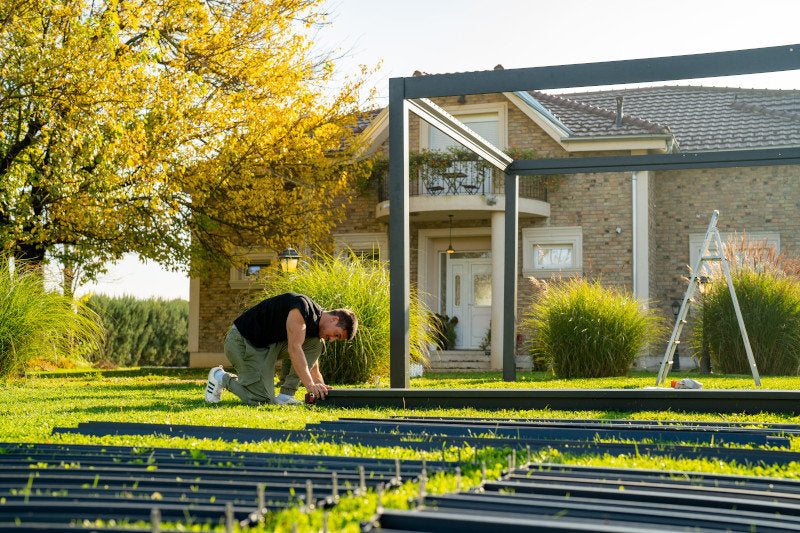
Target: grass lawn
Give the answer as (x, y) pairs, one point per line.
(33, 406)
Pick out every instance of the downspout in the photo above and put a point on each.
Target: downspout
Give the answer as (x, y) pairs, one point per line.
(633, 247)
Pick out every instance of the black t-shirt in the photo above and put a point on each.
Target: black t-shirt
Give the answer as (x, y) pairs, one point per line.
(265, 322)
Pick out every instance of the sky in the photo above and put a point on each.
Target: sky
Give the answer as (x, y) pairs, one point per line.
(438, 36)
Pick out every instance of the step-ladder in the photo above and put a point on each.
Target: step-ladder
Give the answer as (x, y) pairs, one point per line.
(712, 235)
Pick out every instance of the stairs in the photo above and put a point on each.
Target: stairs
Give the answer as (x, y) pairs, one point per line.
(467, 361)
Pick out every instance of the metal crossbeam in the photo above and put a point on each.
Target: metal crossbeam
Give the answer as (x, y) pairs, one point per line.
(731, 63)
(633, 163)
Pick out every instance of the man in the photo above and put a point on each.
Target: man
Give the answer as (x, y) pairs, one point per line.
(289, 327)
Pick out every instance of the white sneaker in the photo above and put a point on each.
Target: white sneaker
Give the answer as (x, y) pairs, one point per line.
(213, 387)
(287, 401)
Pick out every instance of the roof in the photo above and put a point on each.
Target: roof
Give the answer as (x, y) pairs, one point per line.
(363, 119)
(701, 118)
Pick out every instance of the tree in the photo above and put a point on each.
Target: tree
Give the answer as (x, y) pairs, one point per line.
(173, 129)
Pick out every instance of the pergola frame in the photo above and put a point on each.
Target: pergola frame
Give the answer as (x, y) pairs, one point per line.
(409, 95)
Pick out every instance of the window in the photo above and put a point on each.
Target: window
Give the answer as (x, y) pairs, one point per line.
(254, 269)
(552, 256)
(547, 251)
(487, 125)
(368, 247)
(772, 239)
(256, 261)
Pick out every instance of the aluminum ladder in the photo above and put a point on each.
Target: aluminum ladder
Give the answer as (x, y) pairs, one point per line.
(712, 235)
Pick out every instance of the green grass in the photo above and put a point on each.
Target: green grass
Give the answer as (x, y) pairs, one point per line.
(32, 407)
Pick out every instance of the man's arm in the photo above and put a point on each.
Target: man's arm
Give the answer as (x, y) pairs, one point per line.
(315, 373)
(296, 334)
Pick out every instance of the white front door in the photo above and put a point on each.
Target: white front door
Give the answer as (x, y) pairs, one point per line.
(469, 297)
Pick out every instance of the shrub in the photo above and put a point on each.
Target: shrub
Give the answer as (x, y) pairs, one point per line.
(37, 323)
(768, 291)
(363, 287)
(444, 330)
(143, 332)
(583, 329)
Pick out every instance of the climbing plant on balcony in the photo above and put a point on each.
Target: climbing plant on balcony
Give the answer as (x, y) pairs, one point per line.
(439, 163)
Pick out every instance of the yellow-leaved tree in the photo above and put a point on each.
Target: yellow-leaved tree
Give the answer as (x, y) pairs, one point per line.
(175, 129)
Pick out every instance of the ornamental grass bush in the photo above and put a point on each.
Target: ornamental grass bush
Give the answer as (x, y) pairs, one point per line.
(363, 287)
(39, 323)
(767, 285)
(582, 329)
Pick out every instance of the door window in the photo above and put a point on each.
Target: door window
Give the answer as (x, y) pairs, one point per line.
(482, 289)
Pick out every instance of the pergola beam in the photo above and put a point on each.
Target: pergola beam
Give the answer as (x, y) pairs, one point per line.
(631, 163)
(752, 61)
(458, 131)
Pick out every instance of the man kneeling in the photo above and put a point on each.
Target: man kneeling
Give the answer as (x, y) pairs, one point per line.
(289, 328)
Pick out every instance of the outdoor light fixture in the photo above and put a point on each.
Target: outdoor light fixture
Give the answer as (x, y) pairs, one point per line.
(702, 284)
(676, 307)
(288, 259)
(450, 248)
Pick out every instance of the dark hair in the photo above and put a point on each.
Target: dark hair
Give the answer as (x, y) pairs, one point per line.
(347, 320)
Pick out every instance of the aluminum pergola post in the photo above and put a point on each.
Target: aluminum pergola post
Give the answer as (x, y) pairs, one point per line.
(399, 240)
(510, 280)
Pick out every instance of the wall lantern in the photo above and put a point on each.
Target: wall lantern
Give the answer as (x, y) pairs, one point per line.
(288, 259)
(450, 248)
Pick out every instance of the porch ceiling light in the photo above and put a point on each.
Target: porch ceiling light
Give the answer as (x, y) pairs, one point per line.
(450, 249)
(288, 259)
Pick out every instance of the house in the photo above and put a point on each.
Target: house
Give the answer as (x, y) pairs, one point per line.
(635, 230)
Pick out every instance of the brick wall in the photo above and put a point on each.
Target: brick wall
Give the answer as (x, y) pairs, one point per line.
(748, 199)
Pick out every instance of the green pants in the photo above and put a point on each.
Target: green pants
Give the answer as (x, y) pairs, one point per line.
(255, 367)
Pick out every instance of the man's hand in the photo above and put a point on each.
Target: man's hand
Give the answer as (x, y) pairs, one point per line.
(319, 390)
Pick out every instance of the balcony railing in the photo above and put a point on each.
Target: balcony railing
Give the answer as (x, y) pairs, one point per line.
(463, 178)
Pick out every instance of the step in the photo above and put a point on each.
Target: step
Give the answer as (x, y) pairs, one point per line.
(469, 361)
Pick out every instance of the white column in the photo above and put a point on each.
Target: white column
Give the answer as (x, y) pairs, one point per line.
(641, 224)
(498, 261)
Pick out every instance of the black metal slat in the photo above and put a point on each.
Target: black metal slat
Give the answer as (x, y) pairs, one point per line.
(217, 475)
(279, 458)
(623, 400)
(638, 494)
(673, 476)
(597, 509)
(416, 442)
(547, 433)
(599, 422)
(658, 486)
(444, 522)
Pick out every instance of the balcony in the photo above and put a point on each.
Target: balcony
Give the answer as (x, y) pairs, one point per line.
(464, 186)
(464, 178)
